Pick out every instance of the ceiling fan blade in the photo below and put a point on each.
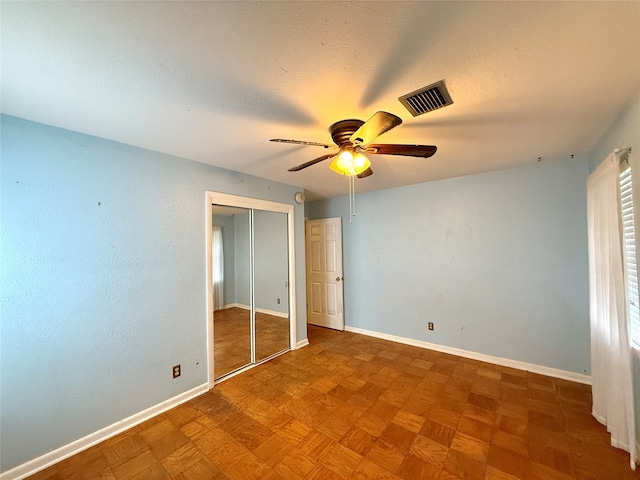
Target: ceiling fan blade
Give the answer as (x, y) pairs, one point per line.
(312, 162)
(424, 151)
(366, 173)
(301, 142)
(379, 123)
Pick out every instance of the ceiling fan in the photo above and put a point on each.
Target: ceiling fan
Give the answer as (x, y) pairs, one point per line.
(353, 139)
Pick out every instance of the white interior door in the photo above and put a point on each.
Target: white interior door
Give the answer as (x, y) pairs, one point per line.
(324, 273)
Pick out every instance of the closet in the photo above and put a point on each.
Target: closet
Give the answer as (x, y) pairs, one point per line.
(250, 292)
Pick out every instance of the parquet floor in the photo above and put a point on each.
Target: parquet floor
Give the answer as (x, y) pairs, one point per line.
(232, 338)
(353, 407)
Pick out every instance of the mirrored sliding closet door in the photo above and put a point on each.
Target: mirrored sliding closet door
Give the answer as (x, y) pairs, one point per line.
(251, 290)
(231, 258)
(271, 283)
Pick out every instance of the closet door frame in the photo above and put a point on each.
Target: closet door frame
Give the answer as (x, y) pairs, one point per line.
(255, 204)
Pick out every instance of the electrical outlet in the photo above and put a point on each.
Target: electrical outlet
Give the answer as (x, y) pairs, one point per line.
(430, 325)
(278, 301)
(176, 371)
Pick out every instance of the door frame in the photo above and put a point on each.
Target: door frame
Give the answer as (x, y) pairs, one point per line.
(256, 204)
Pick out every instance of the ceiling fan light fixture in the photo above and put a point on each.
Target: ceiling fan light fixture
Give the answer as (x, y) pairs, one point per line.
(350, 164)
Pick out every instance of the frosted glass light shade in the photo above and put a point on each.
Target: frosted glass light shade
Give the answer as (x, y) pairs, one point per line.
(349, 164)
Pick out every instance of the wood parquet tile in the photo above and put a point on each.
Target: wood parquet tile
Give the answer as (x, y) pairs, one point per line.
(232, 338)
(350, 407)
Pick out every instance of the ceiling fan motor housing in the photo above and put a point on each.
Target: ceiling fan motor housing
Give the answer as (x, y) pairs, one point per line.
(341, 131)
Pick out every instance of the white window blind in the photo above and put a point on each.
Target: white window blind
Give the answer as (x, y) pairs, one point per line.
(630, 258)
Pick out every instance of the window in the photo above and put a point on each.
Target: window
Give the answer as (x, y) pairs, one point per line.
(630, 258)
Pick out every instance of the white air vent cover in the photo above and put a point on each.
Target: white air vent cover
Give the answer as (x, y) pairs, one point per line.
(427, 99)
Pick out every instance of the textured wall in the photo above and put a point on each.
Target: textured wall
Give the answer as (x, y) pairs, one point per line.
(242, 260)
(103, 281)
(498, 261)
(271, 261)
(624, 132)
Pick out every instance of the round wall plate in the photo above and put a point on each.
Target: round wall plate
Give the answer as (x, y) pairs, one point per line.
(299, 197)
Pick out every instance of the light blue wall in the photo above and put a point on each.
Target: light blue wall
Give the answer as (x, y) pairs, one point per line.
(242, 261)
(271, 261)
(103, 283)
(623, 133)
(498, 261)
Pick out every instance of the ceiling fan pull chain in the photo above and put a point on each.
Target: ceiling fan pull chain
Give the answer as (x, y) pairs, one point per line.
(352, 197)
(349, 179)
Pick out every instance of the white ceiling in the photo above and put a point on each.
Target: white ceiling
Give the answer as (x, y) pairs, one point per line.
(214, 81)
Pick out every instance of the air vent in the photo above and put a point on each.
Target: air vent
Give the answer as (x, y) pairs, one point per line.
(427, 99)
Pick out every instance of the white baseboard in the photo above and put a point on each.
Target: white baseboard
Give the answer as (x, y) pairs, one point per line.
(259, 310)
(272, 312)
(232, 305)
(302, 343)
(77, 446)
(505, 362)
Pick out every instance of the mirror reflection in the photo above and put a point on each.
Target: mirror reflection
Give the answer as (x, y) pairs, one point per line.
(231, 289)
(250, 286)
(271, 282)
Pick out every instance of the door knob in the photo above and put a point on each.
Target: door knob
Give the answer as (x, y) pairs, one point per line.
(339, 278)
